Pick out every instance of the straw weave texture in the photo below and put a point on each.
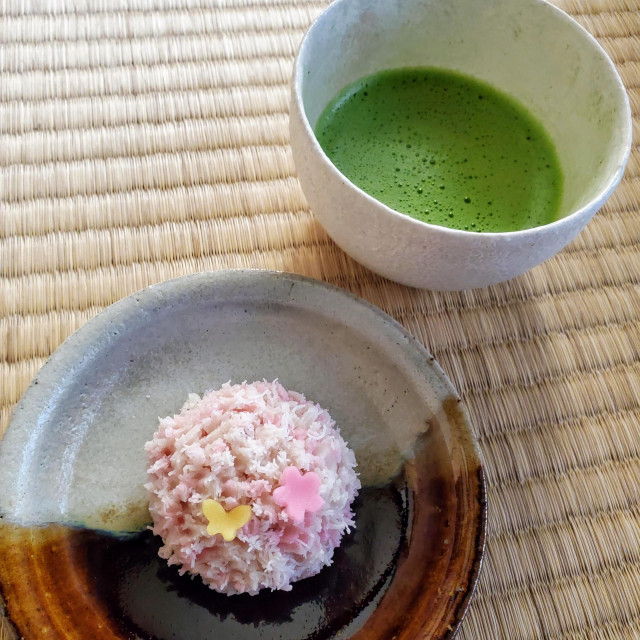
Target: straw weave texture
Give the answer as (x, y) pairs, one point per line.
(141, 140)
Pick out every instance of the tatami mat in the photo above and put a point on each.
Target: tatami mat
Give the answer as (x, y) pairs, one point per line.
(145, 139)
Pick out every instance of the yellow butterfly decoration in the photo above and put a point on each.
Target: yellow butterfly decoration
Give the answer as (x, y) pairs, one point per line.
(224, 522)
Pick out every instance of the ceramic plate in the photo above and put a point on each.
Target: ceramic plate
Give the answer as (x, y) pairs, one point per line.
(72, 466)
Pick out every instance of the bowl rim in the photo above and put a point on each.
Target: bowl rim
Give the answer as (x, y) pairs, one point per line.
(588, 209)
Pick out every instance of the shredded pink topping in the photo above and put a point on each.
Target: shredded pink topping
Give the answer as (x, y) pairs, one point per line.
(233, 446)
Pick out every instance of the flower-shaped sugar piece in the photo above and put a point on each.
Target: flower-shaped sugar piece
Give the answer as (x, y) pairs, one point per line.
(298, 493)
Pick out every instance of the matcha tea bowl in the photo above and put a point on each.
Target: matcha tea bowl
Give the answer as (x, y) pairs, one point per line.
(455, 144)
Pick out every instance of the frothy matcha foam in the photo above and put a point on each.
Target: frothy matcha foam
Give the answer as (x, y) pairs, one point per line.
(444, 148)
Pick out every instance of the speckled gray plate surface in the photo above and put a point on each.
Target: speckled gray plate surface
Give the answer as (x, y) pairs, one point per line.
(73, 453)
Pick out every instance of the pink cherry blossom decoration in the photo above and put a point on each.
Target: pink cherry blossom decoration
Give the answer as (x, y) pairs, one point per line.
(298, 493)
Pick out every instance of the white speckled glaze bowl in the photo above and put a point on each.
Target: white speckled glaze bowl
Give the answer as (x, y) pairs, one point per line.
(527, 48)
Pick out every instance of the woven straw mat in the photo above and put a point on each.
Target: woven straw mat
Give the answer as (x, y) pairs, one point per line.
(141, 140)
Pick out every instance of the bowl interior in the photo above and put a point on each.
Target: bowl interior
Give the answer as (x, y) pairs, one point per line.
(527, 48)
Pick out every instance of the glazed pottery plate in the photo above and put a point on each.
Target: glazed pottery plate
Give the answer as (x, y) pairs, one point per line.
(77, 559)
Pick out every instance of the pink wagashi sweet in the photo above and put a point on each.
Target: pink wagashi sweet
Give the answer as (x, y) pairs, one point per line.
(221, 449)
(298, 493)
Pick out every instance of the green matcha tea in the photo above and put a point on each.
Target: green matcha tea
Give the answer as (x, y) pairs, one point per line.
(444, 148)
